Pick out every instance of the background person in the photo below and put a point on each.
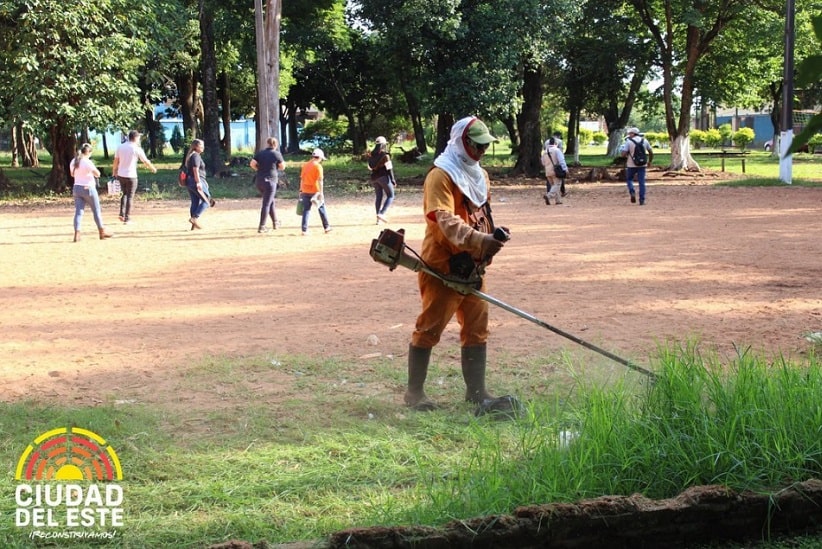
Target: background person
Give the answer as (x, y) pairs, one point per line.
(311, 190)
(379, 163)
(457, 219)
(85, 176)
(196, 183)
(124, 169)
(266, 163)
(553, 158)
(632, 142)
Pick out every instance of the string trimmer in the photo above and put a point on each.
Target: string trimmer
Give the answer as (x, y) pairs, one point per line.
(390, 249)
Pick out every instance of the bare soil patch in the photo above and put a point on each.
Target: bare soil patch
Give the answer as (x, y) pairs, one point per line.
(95, 321)
(732, 267)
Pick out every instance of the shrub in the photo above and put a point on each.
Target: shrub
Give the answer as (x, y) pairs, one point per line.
(743, 136)
(726, 131)
(177, 140)
(815, 142)
(713, 138)
(697, 138)
(599, 138)
(328, 134)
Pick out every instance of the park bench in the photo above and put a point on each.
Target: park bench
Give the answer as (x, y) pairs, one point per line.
(723, 154)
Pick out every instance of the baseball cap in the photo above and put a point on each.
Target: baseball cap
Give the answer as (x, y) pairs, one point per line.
(133, 134)
(632, 130)
(381, 140)
(478, 132)
(318, 153)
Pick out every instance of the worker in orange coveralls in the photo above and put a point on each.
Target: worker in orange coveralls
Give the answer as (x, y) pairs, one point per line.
(458, 238)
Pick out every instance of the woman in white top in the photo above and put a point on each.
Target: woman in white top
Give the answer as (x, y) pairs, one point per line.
(552, 157)
(85, 176)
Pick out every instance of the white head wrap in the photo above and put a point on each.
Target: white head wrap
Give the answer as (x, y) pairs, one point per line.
(464, 171)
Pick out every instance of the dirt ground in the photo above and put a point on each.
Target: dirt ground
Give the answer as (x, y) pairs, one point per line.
(81, 322)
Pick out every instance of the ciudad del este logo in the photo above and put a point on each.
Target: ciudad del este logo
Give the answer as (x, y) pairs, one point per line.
(68, 479)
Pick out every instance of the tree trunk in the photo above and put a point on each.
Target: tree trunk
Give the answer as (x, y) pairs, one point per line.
(63, 144)
(225, 99)
(273, 16)
(681, 148)
(211, 111)
(444, 123)
(16, 129)
(614, 137)
(530, 133)
(419, 132)
(30, 158)
(415, 113)
(572, 143)
(187, 90)
(152, 129)
(510, 124)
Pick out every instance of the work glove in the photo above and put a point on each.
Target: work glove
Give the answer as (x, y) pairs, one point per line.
(318, 200)
(490, 246)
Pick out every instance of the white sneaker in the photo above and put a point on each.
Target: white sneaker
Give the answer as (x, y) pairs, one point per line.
(328, 230)
(304, 233)
(381, 217)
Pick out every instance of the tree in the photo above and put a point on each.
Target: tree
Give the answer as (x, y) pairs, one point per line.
(75, 66)
(211, 109)
(810, 71)
(683, 31)
(267, 30)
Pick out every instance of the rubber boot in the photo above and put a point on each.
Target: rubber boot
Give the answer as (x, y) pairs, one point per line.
(77, 236)
(473, 372)
(105, 234)
(418, 359)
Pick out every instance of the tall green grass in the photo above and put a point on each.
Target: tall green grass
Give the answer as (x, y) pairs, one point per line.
(301, 469)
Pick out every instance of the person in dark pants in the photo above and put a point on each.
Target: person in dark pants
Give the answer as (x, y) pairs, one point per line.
(124, 169)
(635, 141)
(196, 183)
(266, 163)
(382, 178)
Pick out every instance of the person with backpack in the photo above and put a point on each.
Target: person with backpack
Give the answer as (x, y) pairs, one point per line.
(639, 155)
(556, 170)
(382, 178)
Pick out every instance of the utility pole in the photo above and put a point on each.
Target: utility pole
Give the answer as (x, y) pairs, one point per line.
(786, 135)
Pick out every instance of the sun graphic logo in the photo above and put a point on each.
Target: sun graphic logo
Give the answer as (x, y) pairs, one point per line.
(69, 480)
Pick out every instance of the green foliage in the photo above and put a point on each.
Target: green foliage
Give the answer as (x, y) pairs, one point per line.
(73, 63)
(743, 136)
(713, 138)
(697, 138)
(657, 139)
(327, 133)
(585, 136)
(810, 72)
(177, 140)
(599, 138)
(726, 131)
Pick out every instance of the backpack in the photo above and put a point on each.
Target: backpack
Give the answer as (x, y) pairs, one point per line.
(639, 156)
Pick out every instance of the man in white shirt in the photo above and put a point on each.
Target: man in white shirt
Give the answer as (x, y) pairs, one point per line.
(639, 154)
(125, 170)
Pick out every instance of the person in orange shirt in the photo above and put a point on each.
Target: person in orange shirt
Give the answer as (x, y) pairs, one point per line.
(458, 232)
(311, 190)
